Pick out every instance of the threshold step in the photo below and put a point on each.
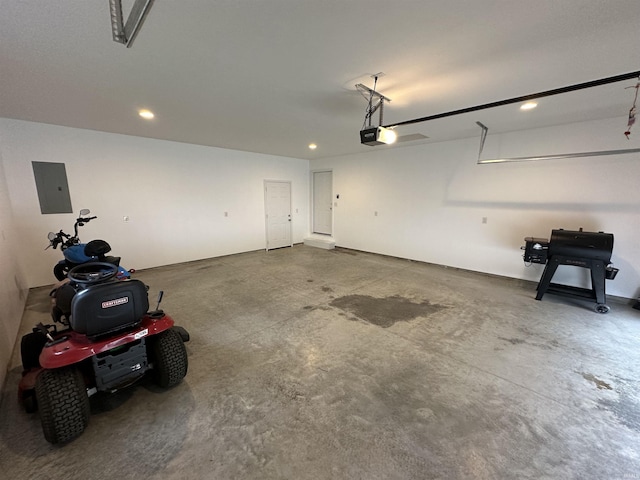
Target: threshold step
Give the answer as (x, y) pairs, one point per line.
(320, 241)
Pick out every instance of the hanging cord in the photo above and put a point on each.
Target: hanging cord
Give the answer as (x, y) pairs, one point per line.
(632, 112)
(370, 109)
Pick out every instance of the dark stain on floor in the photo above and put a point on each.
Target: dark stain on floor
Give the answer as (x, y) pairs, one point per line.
(385, 312)
(520, 341)
(327, 289)
(596, 381)
(513, 341)
(341, 250)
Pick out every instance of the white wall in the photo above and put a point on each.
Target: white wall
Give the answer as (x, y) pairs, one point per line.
(175, 195)
(431, 200)
(13, 291)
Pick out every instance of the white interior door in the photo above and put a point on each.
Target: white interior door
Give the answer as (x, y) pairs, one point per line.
(322, 202)
(278, 213)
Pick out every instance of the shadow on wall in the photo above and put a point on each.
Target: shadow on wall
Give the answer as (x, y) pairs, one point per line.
(534, 219)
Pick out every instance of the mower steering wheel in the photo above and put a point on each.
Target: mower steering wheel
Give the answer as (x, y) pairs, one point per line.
(92, 272)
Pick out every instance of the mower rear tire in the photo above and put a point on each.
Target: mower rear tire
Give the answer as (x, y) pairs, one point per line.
(63, 403)
(170, 362)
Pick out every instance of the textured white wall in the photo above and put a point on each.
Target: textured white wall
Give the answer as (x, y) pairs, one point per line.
(174, 194)
(13, 286)
(431, 200)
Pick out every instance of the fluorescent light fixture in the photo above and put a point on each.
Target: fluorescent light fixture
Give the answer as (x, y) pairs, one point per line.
(146, 114)
(528, 106)
(377, 136)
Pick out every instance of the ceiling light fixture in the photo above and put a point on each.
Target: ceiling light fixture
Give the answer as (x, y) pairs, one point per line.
(528, 106)
(126, 33)
(312, 146)
(146, 114)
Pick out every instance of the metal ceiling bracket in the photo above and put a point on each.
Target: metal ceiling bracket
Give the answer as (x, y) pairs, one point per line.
(483, 137)
(370, 95)
(117, 26)
(126, 33)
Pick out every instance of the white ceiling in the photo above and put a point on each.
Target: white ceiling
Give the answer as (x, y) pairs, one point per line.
(272, 76)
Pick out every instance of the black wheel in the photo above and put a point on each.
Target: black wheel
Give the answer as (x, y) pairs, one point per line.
(169, 356)
(30, 347)
(92, 272)
(60, 271)
(63, 403)
(602, 308)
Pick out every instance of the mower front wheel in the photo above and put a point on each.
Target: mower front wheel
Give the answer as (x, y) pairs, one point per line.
(170, 362)
(63, 403)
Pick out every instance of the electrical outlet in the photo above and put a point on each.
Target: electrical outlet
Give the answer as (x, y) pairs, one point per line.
(484, 219)
(226, 214)
(125, 218)
(375, 214)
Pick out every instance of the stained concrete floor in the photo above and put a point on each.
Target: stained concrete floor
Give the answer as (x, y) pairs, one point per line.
(314, 364)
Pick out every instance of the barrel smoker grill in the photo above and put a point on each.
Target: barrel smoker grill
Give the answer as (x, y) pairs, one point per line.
(581, 249)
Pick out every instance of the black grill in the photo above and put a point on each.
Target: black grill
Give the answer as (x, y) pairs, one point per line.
(590, 250)
(569, 243)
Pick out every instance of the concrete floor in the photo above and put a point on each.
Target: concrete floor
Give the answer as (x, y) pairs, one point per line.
(315, 364)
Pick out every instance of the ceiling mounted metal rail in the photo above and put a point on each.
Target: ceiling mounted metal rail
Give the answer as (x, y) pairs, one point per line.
(125, 33)
(559, 156)
(524, 98)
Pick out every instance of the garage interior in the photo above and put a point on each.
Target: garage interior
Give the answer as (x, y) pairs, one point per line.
(413, 349)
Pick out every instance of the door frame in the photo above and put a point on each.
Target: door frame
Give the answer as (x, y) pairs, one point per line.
(266, 215)
(312, 200)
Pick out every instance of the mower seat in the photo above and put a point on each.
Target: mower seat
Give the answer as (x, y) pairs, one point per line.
(64, 296)
(109, 307)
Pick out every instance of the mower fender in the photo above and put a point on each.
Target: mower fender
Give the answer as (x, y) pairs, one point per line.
(182, 332)
(27, 388)
(74, 347)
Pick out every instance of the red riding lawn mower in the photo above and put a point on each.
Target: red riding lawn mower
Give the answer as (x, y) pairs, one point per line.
(109, 340)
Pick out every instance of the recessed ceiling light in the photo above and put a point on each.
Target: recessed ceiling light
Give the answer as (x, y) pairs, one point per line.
(528, 106)
(312, 146)
(146, 114)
